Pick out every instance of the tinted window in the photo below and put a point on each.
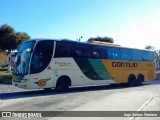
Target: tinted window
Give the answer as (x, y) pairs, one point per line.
(83, 50)
(41, 56)
(26, 45)
(64, 49)
(113, 53)
(147, 56)
(144, 56)
(99, 52)
(136, 55)
(126, 54)
(151, 56)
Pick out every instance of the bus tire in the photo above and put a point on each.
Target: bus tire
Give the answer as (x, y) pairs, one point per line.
(140, 80)
(63, 83)
(131, 80)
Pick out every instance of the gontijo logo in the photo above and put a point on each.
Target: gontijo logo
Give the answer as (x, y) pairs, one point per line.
(124, 64)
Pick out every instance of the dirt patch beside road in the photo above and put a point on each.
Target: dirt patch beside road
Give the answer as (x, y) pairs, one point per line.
(5, 77)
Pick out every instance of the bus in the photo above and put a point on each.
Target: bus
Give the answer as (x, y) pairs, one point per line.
(60, 64)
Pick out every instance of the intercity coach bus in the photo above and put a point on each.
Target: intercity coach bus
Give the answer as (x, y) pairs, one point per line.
(60, 64)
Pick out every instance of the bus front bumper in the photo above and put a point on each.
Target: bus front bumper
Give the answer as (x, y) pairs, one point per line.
(20, 84)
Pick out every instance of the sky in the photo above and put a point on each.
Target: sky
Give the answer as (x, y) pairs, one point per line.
(131, 23)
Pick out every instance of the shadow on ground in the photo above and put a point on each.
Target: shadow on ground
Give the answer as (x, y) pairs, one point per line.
(24, 94)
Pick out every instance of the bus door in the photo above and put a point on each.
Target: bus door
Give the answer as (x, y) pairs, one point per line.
(41, 71)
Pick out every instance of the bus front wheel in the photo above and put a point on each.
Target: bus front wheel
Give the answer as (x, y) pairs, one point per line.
(132, 80)
(63, 83)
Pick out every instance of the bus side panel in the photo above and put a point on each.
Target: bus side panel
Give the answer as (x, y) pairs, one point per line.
(75, 68)
(42, 80)
(148, 69)
(117, 73)
(120, 69)
(81, 79)
(91, 72)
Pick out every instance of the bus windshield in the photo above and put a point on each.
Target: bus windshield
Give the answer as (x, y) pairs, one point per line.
(21, 62)
(42, 55)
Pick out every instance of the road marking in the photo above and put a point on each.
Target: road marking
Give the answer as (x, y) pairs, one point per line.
(142, 107)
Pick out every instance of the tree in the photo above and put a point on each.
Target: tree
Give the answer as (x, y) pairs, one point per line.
(102, 39)
(21, 36)
(10, 39)
(149, 47)
(6, 36)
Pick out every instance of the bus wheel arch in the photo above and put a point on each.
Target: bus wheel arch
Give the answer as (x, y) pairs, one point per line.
(140, 79)
(63, 83)
(132, 80)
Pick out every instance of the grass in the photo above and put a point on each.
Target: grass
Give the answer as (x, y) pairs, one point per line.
(3, 69)
(5, 75)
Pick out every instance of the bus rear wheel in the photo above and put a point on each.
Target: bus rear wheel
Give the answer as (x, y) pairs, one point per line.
(139, 80)
(63, 83)
(131, 80)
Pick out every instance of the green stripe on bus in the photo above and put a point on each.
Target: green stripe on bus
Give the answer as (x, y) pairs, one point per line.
(87, 69)
(100, 69)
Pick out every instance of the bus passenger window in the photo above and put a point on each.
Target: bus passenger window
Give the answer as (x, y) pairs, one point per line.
(99, 52)
(64, 49)
(151, 56)
(137, 55)
(126, 54)
(113, 53)
(83, 51)
(145, 56)
(95, 55)
(78, 53)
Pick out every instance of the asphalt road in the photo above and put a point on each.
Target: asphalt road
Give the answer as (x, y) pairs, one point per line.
(104, 98)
